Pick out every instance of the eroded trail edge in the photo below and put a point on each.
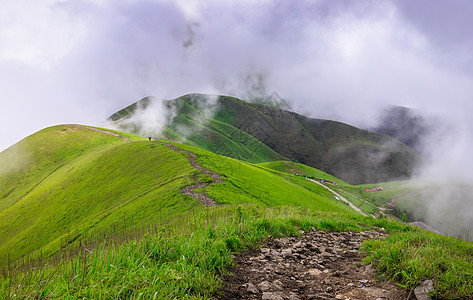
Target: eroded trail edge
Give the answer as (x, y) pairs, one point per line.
(315, 265)
(189, 190)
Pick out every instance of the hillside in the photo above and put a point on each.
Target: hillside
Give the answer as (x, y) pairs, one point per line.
(443, 205)
(258, 133)
(92, 213)
(404, 124)
(71, 181)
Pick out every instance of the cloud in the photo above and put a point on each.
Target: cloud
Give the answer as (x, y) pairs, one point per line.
(80, 61)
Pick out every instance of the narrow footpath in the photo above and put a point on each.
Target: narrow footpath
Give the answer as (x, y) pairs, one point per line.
(104, 131)
(315, 265)
(189, 190)
(339, 196)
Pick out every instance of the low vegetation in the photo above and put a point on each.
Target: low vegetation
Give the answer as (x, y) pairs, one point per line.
(411, 257)
(88, 213)
(257, 133)
(182, 259)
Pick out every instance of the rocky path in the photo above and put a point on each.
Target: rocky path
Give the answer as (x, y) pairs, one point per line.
(189, 190)
(339, 196)
(316, 265)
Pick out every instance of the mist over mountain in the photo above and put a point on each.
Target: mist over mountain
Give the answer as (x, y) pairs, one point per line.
(257, 133)
(407, 125)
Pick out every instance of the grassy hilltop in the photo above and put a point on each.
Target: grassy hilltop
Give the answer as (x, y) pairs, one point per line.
(102, 213)
(258, 133)
(74, 179)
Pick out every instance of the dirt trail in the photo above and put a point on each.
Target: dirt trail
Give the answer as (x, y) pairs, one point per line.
(105, 131)
(189, 190)
(339, 196)
(315, 265)
(366, 202)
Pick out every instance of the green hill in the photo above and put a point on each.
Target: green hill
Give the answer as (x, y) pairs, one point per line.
(71, 180)
(259, 133)
(443, 205)
(122, 203)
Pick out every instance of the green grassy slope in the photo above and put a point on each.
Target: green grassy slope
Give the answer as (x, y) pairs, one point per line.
(248, 183)
(350, 192)
(27, 163)
(443, 205)
(259, 133)
(302, 170)
(73, 189)
(78, 180)
(70, 182)
(192, 121)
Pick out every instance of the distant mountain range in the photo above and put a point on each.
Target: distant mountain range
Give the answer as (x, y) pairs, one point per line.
(404, 124)
(257, 133)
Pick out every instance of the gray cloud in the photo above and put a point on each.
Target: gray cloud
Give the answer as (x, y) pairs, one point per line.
(80, 61)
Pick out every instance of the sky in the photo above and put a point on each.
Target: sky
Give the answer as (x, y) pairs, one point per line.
(79, 61)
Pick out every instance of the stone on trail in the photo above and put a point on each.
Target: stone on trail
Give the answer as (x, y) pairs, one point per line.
(251, 288)
(271, 296)
(422, 291)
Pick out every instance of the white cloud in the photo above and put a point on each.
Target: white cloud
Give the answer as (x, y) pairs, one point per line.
(80, 61)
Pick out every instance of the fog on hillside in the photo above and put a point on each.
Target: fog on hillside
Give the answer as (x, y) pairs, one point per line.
(81, 61)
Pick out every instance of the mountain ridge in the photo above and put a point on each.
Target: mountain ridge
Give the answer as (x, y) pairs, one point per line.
(349, 153)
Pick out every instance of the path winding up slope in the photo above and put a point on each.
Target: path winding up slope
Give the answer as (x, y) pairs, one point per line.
(339, 196)
(189, 190)
(105, 131)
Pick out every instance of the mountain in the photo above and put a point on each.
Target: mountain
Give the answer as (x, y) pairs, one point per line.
(67, 182)
(260, 133)
(404, 124)
(88, 212)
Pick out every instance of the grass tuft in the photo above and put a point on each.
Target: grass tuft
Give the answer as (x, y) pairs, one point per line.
(411, 257)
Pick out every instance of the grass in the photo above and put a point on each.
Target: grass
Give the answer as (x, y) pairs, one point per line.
(179, 261)
(411, 257)
(98, 181)
(302, 170)
(91, 189)
(247, 183)
(256, 133)
(211, 132)
(88, 215)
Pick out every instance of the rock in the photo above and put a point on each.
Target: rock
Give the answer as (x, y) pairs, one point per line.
(317, 265)
(251, 288)
(293, 296)
(422, 291)
(271, 296)
(277, 285)
(286, 252)
(369, 293)
(264, 286)
(368, 270)
(314, 272)
(321, 296)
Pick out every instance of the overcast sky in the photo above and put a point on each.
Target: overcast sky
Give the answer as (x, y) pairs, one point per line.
(79, 61)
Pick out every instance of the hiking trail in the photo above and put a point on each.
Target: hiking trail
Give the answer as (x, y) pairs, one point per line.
(104, 131)
(339, 195)
(314, 265)
(189, 190)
